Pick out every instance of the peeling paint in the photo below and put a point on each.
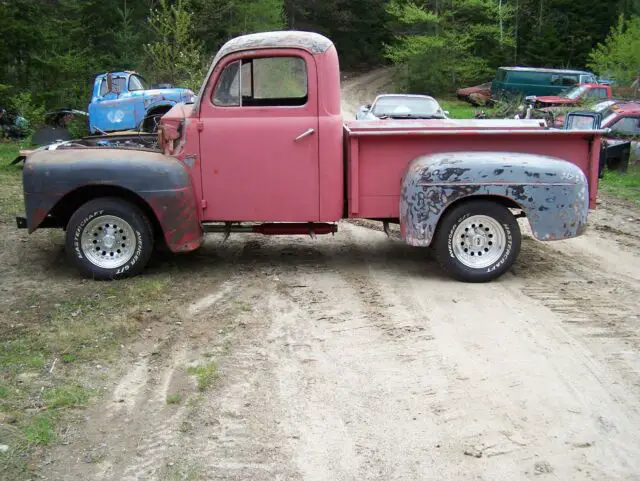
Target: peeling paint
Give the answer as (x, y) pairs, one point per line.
(552, 193)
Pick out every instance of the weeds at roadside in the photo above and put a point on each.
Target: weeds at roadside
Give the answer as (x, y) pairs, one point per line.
(11, 202)
(625, 185)
(458, 109)
(42, 365)
(174, 399)
(205, 375)
(180, 471)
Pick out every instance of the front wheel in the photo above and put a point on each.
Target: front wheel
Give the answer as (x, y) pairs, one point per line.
(477, 241)
(109, 238)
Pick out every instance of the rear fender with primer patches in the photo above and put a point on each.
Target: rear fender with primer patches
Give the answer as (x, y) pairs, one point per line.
(552, 192)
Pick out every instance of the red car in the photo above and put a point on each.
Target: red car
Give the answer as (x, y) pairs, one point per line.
(477, 95)
(573, 96)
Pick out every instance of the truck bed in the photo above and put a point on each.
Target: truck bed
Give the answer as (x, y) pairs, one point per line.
(378, 153)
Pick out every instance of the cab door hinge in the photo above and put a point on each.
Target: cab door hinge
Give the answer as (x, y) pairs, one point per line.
(203, 204)
(200, 125)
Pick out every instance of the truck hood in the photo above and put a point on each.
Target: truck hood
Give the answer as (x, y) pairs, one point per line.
(172, 94)
(554, 99)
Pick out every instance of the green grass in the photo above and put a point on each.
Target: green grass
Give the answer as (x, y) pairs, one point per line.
(65, 396)
(58, 352)
(174, 399)
(48, 361)
(11, 202)
(40, 429)
(458, 109)
(181, 470)
(624, 185)
(19, 355)
(205, 375)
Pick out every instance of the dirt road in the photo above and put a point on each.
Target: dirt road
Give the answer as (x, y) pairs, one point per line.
(352, 358)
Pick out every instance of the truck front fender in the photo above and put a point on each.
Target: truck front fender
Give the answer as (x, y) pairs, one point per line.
(553, 193)
(53, 179)
(153, 104)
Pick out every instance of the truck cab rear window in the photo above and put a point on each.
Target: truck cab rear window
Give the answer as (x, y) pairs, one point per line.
(263, 82)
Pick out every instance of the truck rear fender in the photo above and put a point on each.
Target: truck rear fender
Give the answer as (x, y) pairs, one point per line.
(57, 182)
(552, 193)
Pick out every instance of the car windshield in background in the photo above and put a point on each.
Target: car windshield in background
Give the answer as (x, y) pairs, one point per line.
(574, 93)
(407, 107)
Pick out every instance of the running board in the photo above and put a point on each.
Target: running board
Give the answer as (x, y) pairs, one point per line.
(310, 228)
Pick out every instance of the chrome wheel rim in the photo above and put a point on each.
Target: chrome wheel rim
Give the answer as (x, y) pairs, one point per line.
(108, 242)
(479, 241)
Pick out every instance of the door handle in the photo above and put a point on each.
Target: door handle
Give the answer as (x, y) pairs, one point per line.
(304, 134)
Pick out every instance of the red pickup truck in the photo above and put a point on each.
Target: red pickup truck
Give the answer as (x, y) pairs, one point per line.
(573, 96)
(264, 149)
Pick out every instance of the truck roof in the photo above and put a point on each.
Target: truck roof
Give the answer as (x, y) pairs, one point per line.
(545, 70)
(309, 41)
(627, 108)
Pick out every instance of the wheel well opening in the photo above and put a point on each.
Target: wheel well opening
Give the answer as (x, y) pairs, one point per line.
(149, 120)
(66, 206)
(160, 109)
(504, 201)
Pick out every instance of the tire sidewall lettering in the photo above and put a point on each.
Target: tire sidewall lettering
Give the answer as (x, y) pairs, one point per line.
(77, 235)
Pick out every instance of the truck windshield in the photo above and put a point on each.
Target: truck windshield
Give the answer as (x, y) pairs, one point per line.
(407, 107)
(137, 83)
(574, 93)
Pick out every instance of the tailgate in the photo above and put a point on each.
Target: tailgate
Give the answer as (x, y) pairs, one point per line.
(378, 154)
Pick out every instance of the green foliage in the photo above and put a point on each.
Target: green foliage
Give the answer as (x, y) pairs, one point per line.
(205, 375)
(54, 49)
(623, 184)
(175, 56)
(24, 106)
(619, 55)
(40, 429)
(440, 50)
(64, 396)
(174, 399)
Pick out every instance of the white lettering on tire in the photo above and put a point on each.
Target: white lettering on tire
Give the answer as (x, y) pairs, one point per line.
(78, 233)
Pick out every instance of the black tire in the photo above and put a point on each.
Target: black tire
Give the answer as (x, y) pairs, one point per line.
(444, 239)
(109, 206)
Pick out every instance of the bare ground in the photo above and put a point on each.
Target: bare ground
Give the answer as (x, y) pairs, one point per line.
(352, 358)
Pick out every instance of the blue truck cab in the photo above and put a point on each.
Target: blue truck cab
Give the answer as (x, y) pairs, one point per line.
(123, 101)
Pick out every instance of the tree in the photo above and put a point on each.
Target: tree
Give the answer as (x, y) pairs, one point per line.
(619, 55)
(438, 48)
(174, 55)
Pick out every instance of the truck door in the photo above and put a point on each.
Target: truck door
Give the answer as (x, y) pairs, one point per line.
(115, 109)
(259, 138)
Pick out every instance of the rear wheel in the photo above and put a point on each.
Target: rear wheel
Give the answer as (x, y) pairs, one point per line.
(477, 241)
(109, 238)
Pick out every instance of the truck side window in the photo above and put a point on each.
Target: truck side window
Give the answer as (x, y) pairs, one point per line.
(118, 85)
(263, 82)
(598, 93)
(627, 125)
(227, 91)
(136, 83)
(274, 81)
